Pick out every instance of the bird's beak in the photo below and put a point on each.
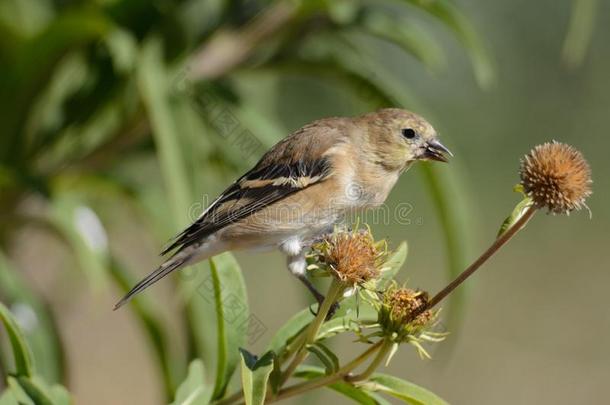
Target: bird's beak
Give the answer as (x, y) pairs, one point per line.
(436, 151)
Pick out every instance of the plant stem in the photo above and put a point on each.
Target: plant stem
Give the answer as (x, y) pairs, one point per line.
(495, 246)
(342, 373)
(296, 344)
(385, 348)
(299, 388)
(335, 290)
(293, 346)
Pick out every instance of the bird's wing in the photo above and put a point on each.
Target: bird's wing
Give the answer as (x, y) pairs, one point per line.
(295, 163)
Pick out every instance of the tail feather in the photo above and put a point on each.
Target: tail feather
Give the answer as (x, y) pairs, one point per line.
(163, 270)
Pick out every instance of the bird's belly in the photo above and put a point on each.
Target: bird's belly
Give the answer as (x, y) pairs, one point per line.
(260, 233)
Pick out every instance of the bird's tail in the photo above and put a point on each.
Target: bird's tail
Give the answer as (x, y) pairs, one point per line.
(170, 265)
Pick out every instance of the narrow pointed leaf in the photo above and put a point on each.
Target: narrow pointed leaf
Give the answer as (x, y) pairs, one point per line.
(154, 86)
(403, 390)
(516, 214)
(22, 354)
(326, 356)
(255, 375)
(219, 301)
(43, 337)
(393, 264)
(18, 392)
(232, 316)
(355, 393)
(34, 391)
(347, 322)
(289, 330)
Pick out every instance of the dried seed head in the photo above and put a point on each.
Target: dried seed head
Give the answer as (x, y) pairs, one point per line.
(353, 257)
(395, 314)
(400, 320)
(556, 175)
(403, 302)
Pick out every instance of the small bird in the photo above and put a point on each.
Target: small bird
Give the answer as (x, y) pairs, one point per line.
(302, 187)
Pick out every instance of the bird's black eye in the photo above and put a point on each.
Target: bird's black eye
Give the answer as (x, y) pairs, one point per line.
(408, 133)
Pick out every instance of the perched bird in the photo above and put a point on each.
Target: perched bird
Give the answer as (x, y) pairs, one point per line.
(303, 186)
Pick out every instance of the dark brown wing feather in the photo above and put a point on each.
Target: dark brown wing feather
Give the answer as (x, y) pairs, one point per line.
(293, 164)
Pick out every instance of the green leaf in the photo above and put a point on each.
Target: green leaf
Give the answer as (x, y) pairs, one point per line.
(393, 264)
(355, 393)
(223, 293)
(232, 315)
(18, 392)
(401, 389)
(348, 321)
(194, 390)
(449, 14)
(153, 81)
(289, 331)
(326, 356)
(26, 391)
(516, 214)
(34, 391)
(21, 351)
(255, 375)
(42, 334)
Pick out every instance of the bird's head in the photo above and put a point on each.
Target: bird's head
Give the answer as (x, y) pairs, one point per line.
(401, 137)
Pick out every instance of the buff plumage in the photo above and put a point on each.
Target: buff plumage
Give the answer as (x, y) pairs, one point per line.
(302, 186)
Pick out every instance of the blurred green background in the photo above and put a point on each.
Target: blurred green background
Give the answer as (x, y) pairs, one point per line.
(121, 119)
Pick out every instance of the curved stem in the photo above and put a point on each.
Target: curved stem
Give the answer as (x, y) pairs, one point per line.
(293, 346)
(299, 388)
(495, 246)
(296, 344)
(342, 373)
(385, 348)
(335, 290)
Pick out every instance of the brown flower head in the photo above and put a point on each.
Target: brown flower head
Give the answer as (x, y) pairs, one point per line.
(404, 302)
(556, 175)
(353, 257)
(402, 317)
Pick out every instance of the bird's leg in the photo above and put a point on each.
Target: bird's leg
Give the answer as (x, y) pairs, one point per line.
(297, 265)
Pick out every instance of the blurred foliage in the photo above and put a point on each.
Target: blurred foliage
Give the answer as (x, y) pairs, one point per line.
(580, 31)
(90, 91)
